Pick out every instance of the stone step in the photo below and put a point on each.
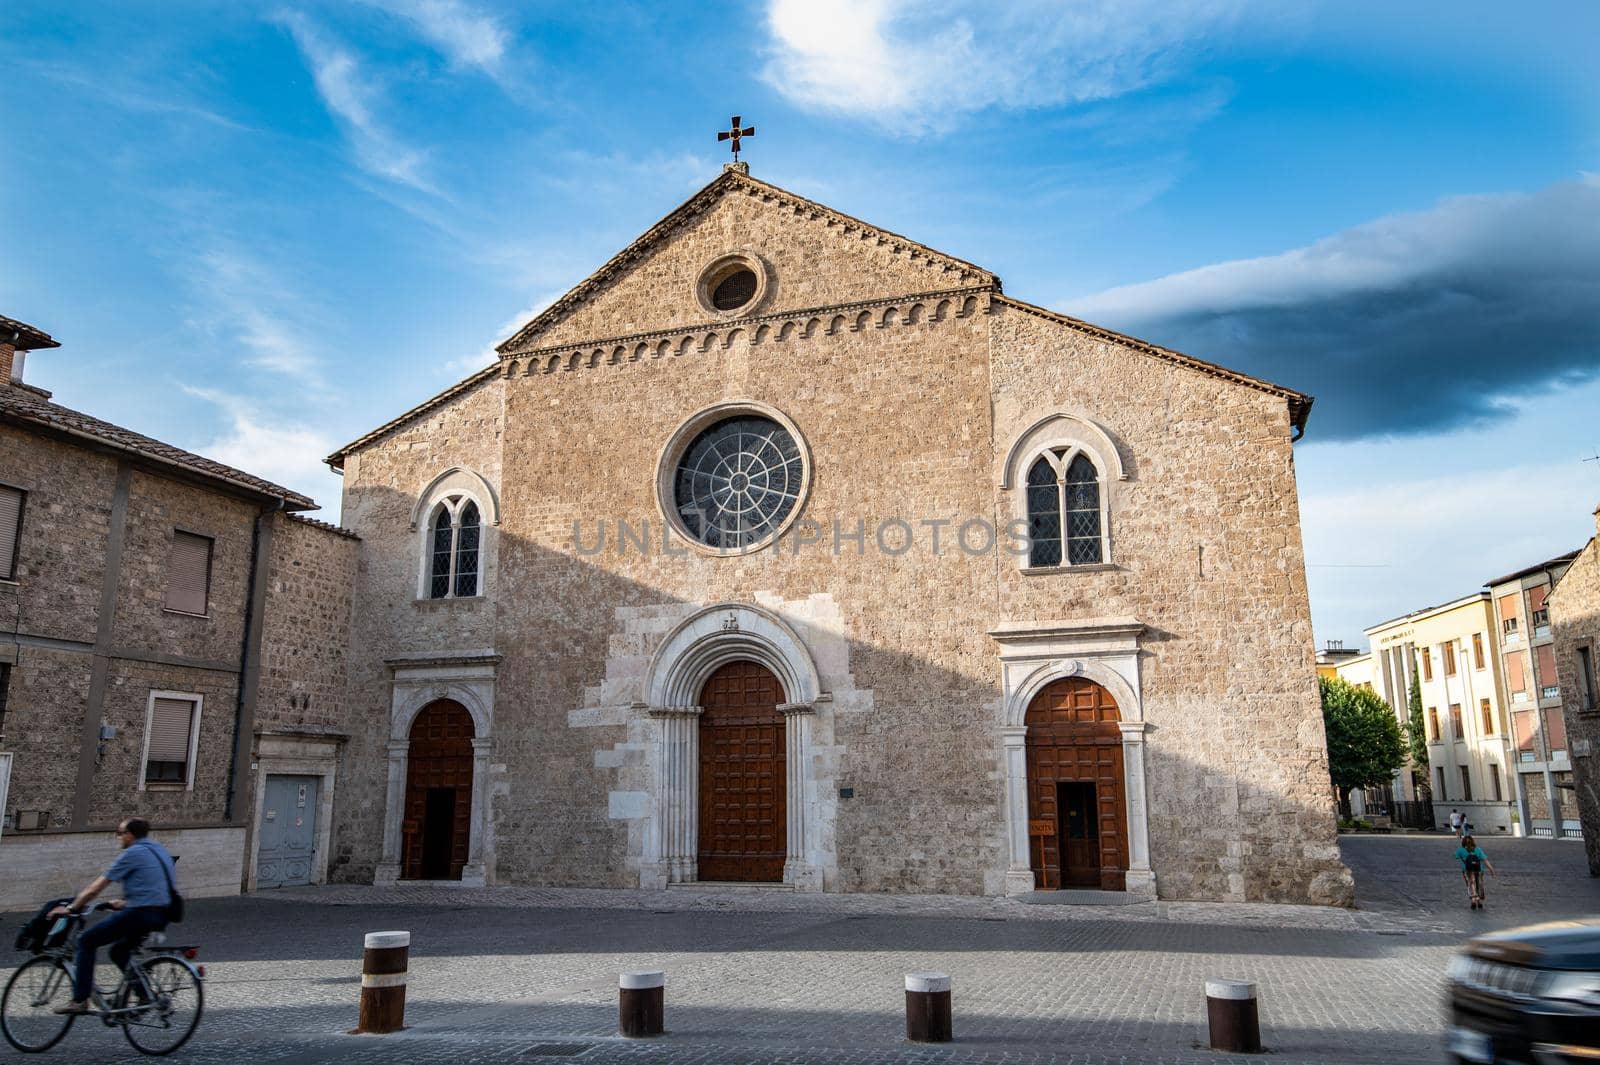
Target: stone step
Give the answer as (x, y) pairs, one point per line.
(728, 885)
(1083, 897)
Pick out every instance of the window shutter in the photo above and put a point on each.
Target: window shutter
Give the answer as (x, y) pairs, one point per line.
(1555, 729)
(10, 520)
(169, 730)
(1516, 675)
(1508, 607)
(189, 573)
(1544, 667)
(1537, 597)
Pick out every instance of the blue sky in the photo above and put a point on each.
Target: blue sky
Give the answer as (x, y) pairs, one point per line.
(260, 230)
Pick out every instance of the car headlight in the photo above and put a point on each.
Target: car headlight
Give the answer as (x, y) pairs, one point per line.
(1458, 968)
(1583, 988)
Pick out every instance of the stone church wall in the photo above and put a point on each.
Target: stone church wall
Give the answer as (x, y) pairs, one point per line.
(814, 263)
(305, 636)
(382, 486)
(891, 417)
(906, 417)
(1205, 550)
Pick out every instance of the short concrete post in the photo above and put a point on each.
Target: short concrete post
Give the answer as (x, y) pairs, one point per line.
(928, 1007)
(1233, 1017)
(641, 1003)
(383, 982)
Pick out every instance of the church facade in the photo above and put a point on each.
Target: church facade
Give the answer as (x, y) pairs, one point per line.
(786, 550)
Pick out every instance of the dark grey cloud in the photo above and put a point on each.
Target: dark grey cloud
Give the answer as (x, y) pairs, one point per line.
(1411, 323)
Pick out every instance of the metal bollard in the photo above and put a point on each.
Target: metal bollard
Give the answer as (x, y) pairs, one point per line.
(383, 982)
(1233, 1017)
(641, 1003)
(928, 1007)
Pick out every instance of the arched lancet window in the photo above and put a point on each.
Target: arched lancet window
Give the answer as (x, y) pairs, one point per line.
(1064, 510)
(468, 532)
(1081, 493)
(456, 535)
(1044, 514)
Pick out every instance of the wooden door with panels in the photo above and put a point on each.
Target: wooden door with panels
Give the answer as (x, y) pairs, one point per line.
(743, 787)
(1077, 807)
(437, 827)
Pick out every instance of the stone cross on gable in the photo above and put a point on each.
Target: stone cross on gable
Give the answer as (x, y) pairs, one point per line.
(734, 134)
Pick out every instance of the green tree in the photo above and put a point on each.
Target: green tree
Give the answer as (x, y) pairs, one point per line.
(1417, 731)
(1364, 744)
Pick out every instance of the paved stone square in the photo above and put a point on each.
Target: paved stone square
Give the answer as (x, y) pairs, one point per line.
(523, 974)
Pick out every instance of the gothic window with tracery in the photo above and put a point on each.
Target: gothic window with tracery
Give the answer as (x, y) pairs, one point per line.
(1065, 523)
(456, 534)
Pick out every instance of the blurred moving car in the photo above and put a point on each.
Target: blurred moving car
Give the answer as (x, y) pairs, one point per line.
(1528, 995)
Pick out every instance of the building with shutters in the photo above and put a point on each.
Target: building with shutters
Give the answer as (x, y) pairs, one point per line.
(1532, 686)
(174, 636)
(786, 550)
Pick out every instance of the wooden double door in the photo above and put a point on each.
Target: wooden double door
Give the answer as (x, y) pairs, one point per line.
(436, 831)
(1077, 808)
(743, 776)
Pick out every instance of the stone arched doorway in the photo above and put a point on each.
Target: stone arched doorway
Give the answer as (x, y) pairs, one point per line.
(743, 782)
(436, 831)
(679, 676)
(1077, 804)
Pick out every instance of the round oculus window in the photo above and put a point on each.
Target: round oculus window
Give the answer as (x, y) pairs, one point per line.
(738, 481)
(735, 290)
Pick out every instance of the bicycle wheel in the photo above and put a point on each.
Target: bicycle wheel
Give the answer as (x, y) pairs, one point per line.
(27, 1016)
(164, 1025)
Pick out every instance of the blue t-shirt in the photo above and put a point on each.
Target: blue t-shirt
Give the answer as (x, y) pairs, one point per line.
(1462, 854)
(139, 869)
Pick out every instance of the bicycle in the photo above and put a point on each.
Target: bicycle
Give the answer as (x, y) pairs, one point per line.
(158, 1002)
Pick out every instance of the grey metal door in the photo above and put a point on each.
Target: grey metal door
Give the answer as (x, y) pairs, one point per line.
(288, 832)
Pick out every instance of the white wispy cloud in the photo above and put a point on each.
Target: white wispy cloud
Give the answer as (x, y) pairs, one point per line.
(282, 451)
(917, 65)
(138, 93)
(353, 97)
(248, 306)
(463, 34)
(487, 355)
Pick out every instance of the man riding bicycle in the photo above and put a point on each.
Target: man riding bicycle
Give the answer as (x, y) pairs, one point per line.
(147, 875)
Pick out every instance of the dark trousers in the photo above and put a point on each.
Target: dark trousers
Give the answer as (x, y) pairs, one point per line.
(124, 929)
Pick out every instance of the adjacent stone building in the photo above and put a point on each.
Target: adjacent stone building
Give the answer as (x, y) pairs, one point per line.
(785, 549)
(170, 626)
(1574, 606)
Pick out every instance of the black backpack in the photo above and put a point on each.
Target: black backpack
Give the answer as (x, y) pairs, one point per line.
(1473, 864)
(34, 936)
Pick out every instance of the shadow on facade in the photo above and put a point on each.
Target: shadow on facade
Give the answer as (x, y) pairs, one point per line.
(905, 767)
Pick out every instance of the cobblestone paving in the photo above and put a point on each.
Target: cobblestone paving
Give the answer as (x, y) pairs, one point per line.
(526, 975)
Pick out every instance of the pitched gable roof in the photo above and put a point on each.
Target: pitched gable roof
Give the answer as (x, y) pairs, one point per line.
(25, 337)
(732, 180)
(21, 406)
(969, 279)
(1299, 402)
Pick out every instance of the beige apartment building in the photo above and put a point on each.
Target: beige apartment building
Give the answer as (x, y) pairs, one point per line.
(1532, 695)
(1452, 649)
